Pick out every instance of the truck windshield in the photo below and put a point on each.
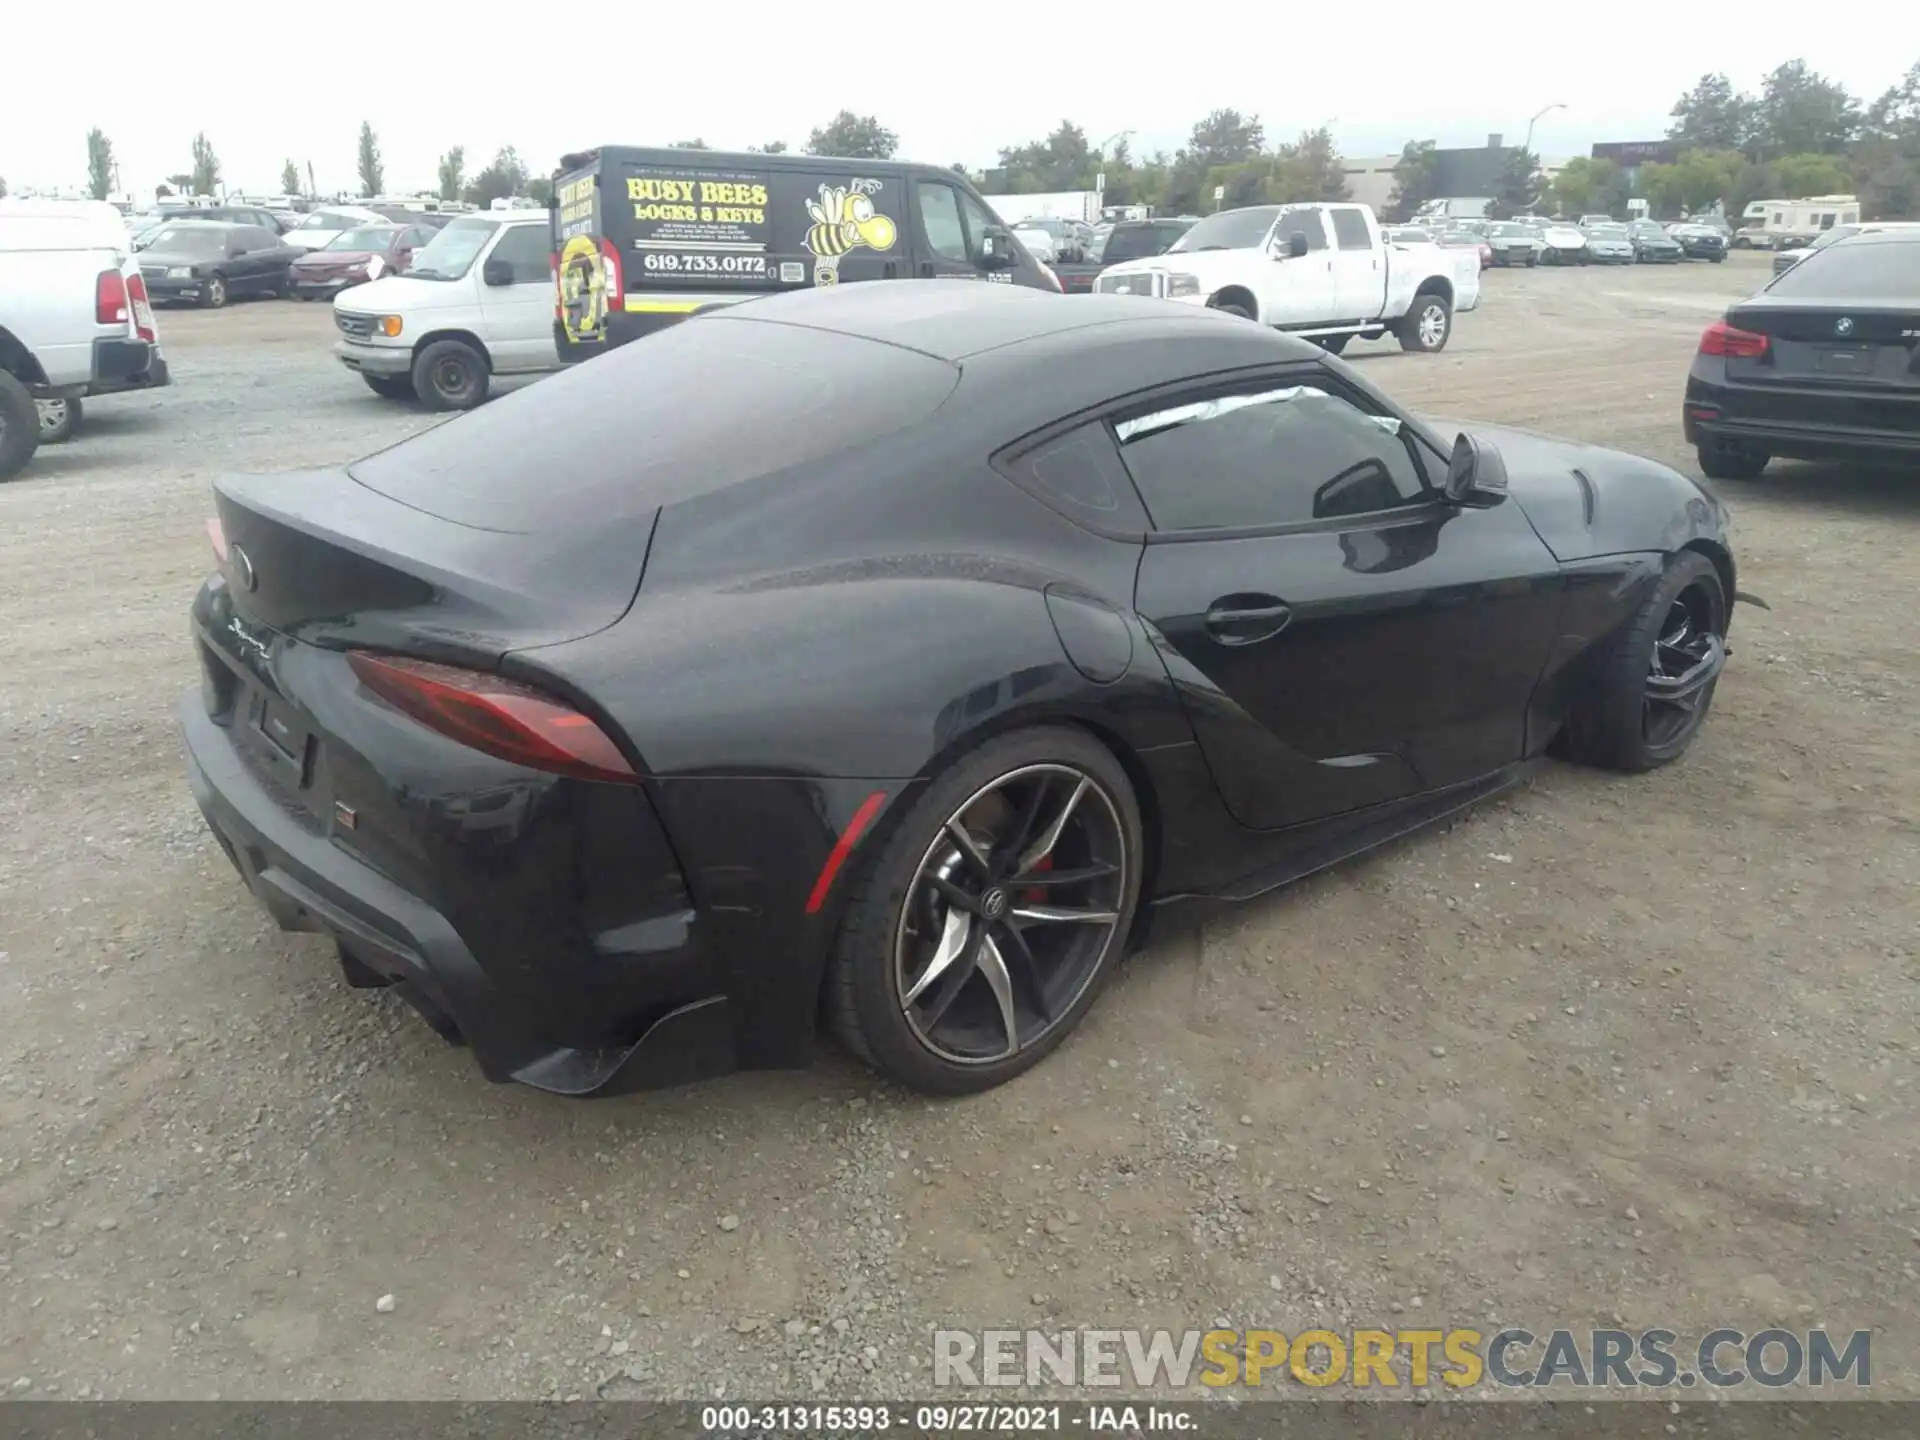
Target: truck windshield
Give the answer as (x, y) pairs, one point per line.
(1229, 230)
(1135, 242)
(451, 253)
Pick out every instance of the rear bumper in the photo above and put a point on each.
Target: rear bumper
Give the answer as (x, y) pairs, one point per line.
(1802, 442)
(391, 936)
(327, 285)
(1796, 426)
(121, 365)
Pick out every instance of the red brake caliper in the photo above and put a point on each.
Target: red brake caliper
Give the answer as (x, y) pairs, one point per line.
(1036, 896)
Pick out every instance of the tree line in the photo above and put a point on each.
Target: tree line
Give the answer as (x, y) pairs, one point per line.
(1800, 134)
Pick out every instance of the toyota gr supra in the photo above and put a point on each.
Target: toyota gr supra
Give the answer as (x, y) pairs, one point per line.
(881, 659)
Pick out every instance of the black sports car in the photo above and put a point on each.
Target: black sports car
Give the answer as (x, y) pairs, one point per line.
(1824, 363)
(890, 653)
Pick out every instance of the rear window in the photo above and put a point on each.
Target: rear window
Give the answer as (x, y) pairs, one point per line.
(1874, 270)
(699, 407)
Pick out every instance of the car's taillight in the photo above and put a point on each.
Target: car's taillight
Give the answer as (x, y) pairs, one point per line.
(142, 308)
(217, 533)
(110, 302)
(1721, 338)
(616, 276)
(497, 716)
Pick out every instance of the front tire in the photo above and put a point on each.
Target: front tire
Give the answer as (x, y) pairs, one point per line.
(992, 915)
(1428, 325)
(1240, 310)
(1650, 690)
(59, 420)
(1731, 462)
(450, 375)
(213, 296)
(19, 426)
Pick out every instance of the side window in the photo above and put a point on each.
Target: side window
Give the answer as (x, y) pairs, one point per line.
(940, 219)
(1350, 230)
(1080, 475)
(524, 247)
(1279, 456)
(979, 221)
(1305, 222)
(261, 238)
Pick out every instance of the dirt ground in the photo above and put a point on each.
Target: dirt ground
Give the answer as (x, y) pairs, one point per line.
(1634, 1051)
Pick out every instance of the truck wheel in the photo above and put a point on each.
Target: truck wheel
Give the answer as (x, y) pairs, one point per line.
(1240, 310)
(450, 375)
(59, 419)
(1427, 325)
(19, 426)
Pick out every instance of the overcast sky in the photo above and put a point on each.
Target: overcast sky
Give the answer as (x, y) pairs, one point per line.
(271, 81)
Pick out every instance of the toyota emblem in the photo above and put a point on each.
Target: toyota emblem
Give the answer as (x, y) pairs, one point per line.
(1843, 326)
(243, 572)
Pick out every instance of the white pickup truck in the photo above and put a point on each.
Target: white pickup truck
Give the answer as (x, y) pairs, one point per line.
(74, 321)
(1320, 271)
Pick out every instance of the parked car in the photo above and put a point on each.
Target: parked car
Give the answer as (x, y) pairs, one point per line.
(630, 267)
(1819, 365)
(1564, 244)
(1324, 271)
(211, 262)
(1407, 235)
(1652, 245)
(274, 221)
(738, 798)
(1457, 238)
(356, 257)
(1127, 240)
(1785, 260)
(1072, 241)
(1038, 242)
(75, 321)
(322, 227)
(1514, 244)
(476, 301)
(1700, 242)
(1587, 222)
(1609, 244)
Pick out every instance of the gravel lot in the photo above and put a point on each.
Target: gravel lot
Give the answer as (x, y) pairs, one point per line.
(1610, 1050)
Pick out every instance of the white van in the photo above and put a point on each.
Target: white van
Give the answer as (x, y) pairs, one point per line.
(476, 301)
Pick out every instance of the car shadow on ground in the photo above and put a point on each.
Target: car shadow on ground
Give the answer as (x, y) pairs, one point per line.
(1862, 491)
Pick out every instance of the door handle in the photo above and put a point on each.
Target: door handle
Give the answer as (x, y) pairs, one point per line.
(1246, 619)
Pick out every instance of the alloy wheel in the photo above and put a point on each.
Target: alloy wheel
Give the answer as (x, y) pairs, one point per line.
(1433, 326)
(1011, 913)
(1687, 659)
(53, 415)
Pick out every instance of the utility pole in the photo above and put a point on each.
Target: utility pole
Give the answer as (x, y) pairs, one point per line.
(1547, 110)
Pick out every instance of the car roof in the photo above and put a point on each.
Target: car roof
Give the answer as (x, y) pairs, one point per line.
(1905, 235)
(955, 319)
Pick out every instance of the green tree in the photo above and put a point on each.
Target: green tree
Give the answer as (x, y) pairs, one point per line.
(1703, 179)
(1886, 163)
(181, 184)
(1588, 186)
(453, 173)
(1062, 161)
(853, 137)
(99, 164)
(1801, 112)
(3, 187)
(1412, 179)
(772, 147)
(504, 177)
(1308, 169)
(373, 175)
(206, 166)
(1518, 188)
(1797, 176)
(289, 179)
(1713, 116)
(539, 189)
(689, 145)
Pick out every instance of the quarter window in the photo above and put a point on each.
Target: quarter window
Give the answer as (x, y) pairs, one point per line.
(1283, 455)
(940, 220)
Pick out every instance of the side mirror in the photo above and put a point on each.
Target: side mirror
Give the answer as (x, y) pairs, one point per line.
(1297, 245)
(496, 272)
(1476, 475)
(996, 249)
(235, 250)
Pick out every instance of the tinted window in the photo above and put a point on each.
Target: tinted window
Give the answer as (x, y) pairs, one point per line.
(1137, 242)
(524, 248)
(1859, 269)
(940, 219)
(648, 425)
(1080, 475)
(978, 223)
(197, 238)
(254, 237)
(1350, 230)
(1268, 457)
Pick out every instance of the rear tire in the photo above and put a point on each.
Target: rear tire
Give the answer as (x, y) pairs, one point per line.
(59, 420)
(1619, 722)
(450, 375)
(949, 1044)
(390, 387)
(1427, 325)
(213, 295)
(19, 426)
(1731, 462)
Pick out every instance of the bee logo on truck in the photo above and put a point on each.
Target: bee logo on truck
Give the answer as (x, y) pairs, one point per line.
(583, 290)
(844, 219)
